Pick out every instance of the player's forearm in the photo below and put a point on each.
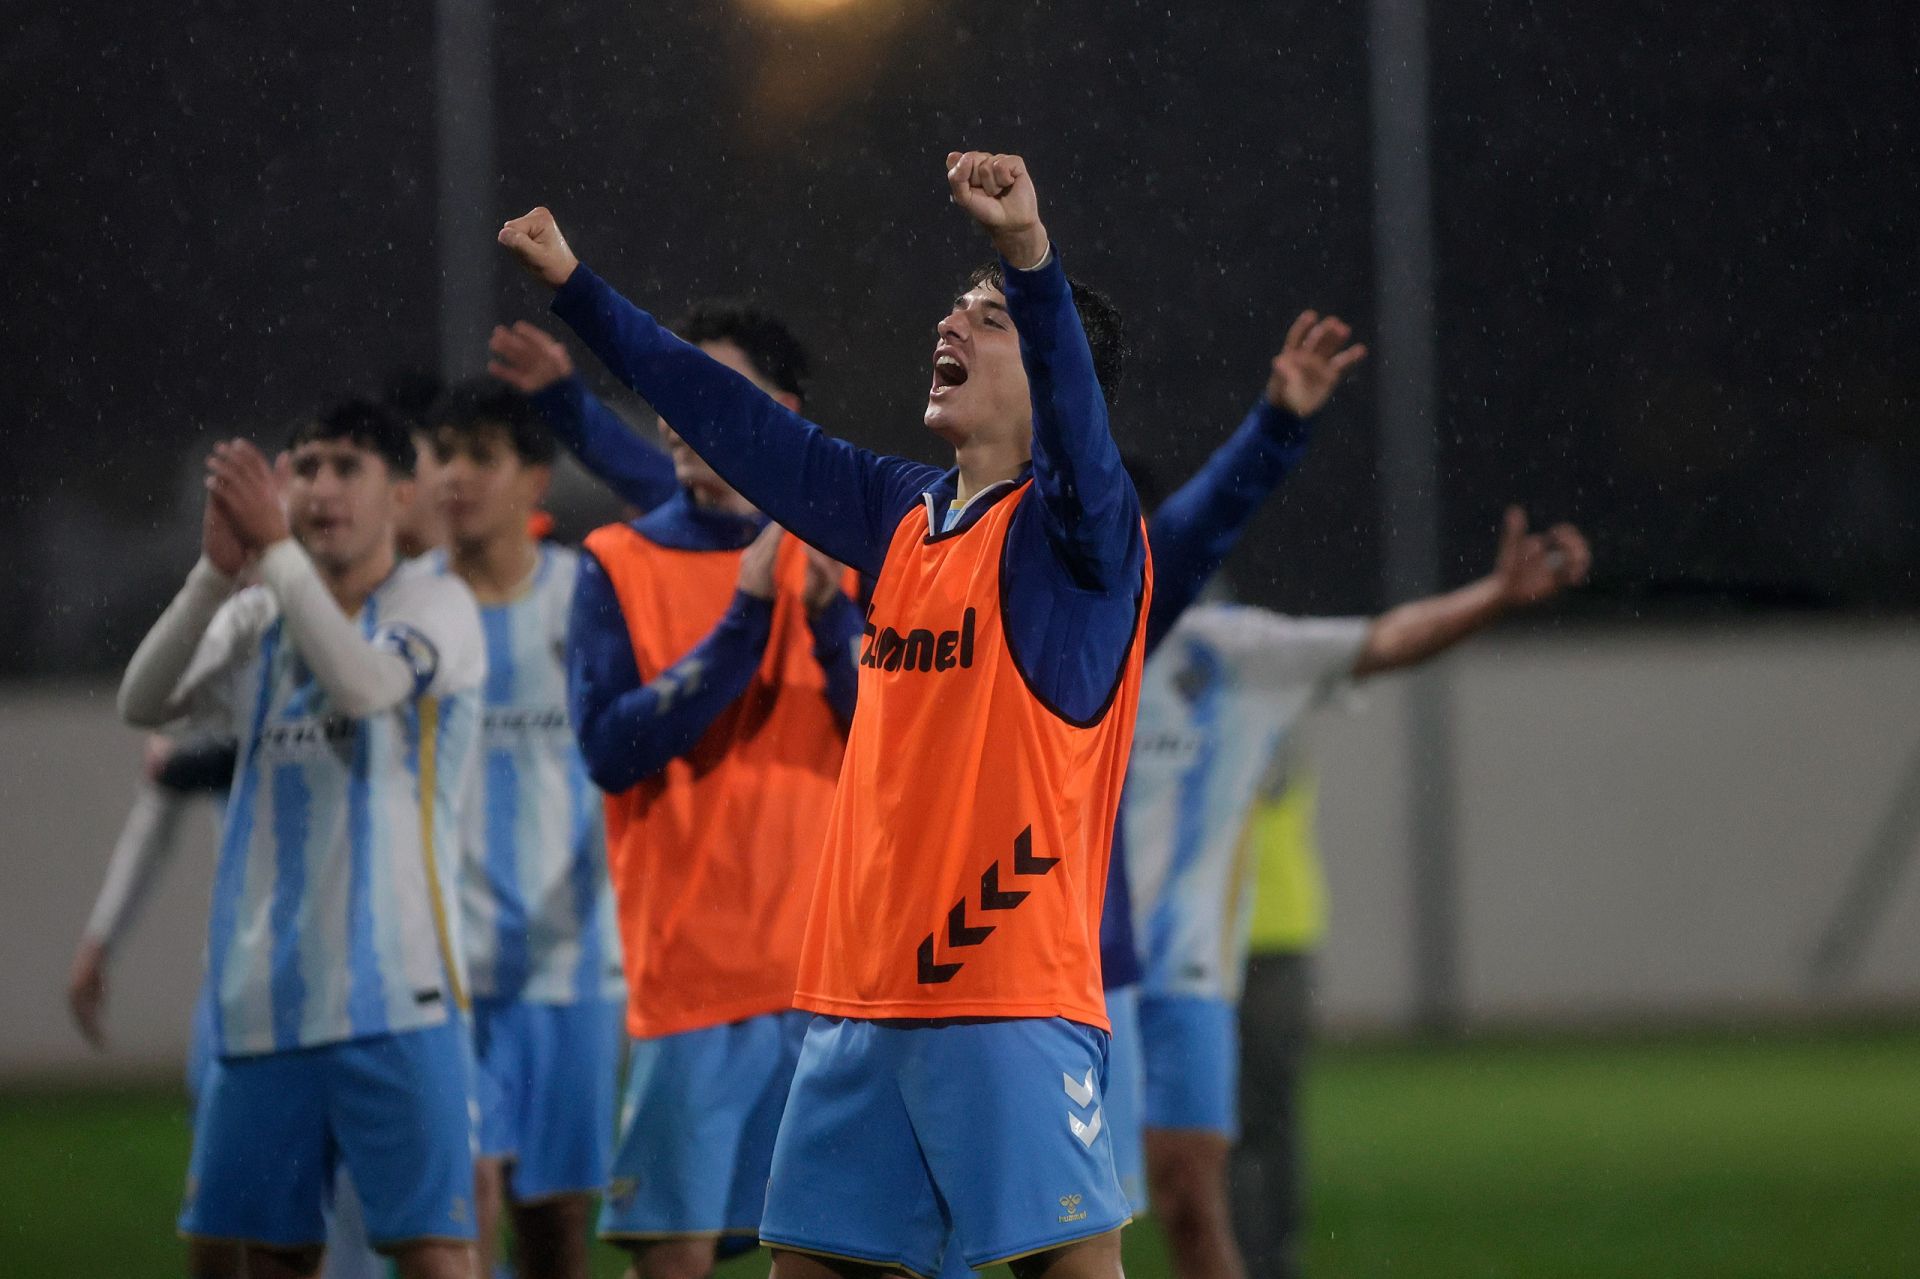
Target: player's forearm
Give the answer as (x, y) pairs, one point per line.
(150, 693)
(630, 731)
(359, 678)
(836, 640)
(1090, 506)
(145, 843)
(1420, 629)
(823, 490)
(1196, 528)
(638, 473)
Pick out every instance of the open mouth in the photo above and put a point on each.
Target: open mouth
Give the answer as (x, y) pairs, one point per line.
(948, 371)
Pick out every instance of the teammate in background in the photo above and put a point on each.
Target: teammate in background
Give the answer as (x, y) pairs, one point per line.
(536, 908)
(712, 682)
(1191, 533)
(535, 365)
(353, 690)
(422, 526)
(950, 1083)
(173, 774)
(1220, 698)
(1289, 919)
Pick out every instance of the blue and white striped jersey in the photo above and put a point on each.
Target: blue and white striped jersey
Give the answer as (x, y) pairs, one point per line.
(536, 904)
(333, 912)
(1217, 702)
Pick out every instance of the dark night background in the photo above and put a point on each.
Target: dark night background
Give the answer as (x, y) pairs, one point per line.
(1677, 255)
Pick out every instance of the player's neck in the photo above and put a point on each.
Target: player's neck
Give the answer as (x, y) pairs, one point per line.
(497, 568)
(351, 584)
(986, 463)
(723, 501)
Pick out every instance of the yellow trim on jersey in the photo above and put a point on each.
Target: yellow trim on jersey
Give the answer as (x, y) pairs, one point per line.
(429, 796)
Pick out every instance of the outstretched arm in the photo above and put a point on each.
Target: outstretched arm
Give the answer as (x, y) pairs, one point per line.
(538, 367)
(630, 730)
(1529, 569)
(1196, 528)
(1088, 506)
(842, 499)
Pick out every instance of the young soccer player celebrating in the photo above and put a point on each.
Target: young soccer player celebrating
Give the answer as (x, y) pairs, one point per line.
(536, 908)
(950, 1083)
(353, 692)
(712, 681)
(1221, 697)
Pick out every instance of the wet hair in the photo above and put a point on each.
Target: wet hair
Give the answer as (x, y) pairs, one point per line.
(770, 346)
(364, 424)
(471, 408)
(1099, 317)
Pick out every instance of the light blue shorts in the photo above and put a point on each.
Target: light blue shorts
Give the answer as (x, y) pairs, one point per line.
(905, 1139)
(396, 1110)
(545, 1076)
(1126, 1095)
(697, 1123)
(1190, 1047)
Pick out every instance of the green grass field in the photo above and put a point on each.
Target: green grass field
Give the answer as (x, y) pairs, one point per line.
(1688, 1157)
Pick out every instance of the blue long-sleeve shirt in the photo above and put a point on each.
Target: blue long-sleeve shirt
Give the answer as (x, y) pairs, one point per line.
(1075, 557)
(1191, 534)
(638, 473)
(628, 729)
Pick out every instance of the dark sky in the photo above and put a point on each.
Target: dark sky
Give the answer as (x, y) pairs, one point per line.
(1677, 253)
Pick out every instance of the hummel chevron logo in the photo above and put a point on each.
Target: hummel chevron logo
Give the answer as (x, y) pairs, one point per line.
(932, 974)
(1024, 862)
(1082, 1093)
(992, 897)
(1088, 1132)
(958, 934)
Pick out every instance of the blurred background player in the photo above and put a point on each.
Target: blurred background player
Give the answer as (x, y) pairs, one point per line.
(949, 1088)
(173, 774)
(353, 692)
(537, 922)
(712, 682)
(534, 364)
(422, 525)
(1221, 696)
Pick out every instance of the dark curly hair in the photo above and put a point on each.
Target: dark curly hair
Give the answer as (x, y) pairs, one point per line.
(470, 408)
(1099, 317)
(769, 344)
(364, 424)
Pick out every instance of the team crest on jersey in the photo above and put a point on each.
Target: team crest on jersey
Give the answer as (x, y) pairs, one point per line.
(919, 649)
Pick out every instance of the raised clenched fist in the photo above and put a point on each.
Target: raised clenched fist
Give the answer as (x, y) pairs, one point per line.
(535, 240)
(997, 192)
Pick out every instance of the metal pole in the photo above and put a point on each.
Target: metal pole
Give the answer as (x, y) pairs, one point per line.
(467, 216)
(1409, 474)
